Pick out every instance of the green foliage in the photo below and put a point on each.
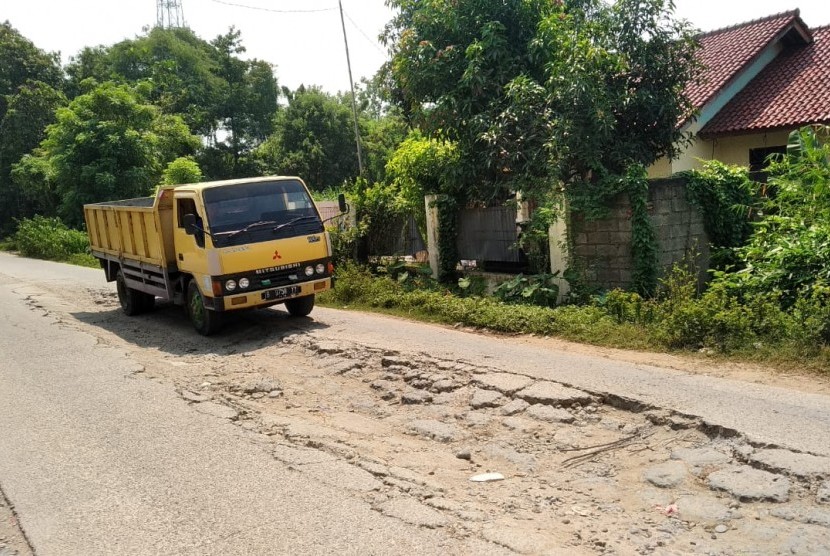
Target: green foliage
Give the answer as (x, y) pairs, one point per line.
(472, 285)
(345, 240)
(412, 276)
(716, 322)
(107, 144)
(724, 194)
(643, 238)
(539, 92)
(539, 289)
(22, 61)
(419, 167)
(49, 238)
(448, 258)
(450, 64)
(627, 307)
(382, 124)
(22, 128)
(30, 82)
(789, 251)
(206, 83)
(314, 139)
(182, 170)
(356, 286)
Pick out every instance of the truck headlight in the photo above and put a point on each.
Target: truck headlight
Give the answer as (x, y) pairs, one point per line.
(244, 283)
(230, 285)
(321, 268)
(309, 271)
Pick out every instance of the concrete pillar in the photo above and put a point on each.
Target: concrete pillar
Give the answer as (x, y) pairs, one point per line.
(558, 238)
(432, 233)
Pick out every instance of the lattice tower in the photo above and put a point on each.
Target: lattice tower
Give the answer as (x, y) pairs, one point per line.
(169, 14)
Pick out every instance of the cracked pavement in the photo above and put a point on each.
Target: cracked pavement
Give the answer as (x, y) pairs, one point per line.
(359, 419)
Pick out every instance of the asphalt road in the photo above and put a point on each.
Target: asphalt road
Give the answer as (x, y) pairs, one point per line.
(97, 461)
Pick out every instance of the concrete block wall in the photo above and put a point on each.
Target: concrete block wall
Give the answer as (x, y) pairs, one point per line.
(603, 247)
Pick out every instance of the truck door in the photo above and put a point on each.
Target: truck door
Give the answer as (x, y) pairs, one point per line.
(191, 254)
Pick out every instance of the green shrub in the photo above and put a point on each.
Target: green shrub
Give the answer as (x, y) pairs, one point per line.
(626, 307)
(538, 289)
(49, 238)
(810, 327)
(472, 285)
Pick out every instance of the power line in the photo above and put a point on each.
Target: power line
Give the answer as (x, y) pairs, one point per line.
(373, 42)
(258, 8)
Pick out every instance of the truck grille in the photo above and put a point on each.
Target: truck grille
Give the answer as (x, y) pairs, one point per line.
(267, 278)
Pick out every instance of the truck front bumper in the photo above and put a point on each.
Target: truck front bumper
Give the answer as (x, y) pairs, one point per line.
(270, 296)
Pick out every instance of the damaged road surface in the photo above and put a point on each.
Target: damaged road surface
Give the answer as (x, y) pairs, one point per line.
(351, 433)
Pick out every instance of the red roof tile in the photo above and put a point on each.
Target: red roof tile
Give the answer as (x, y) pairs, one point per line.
(725, 52)
(793, 90)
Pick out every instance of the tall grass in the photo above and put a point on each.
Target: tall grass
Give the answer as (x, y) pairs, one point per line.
(678, 319)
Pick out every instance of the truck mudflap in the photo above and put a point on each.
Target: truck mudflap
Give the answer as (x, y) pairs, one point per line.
(270, 296)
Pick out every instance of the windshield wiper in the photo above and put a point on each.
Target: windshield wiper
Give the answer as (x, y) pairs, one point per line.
(294, 221)
(249, 227)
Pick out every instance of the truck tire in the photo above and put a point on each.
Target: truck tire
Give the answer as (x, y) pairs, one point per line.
(132, 302)
(148, 302)
(300, 306)
(205, 321)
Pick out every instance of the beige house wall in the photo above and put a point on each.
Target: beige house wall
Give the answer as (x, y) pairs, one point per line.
(729, 150)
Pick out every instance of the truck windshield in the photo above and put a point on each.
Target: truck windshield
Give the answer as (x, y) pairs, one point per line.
(253, 212)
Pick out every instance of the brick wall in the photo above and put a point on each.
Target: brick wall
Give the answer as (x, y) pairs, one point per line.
(603, 247)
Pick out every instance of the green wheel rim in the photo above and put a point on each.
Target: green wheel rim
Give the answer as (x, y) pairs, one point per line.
(197, 309)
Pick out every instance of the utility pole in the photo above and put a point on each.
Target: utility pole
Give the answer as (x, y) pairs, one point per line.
(169, 14)
(351, 83)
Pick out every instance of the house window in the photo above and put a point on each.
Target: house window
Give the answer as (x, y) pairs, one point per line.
(758, 161)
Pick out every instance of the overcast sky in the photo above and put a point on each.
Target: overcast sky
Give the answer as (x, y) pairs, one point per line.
(302, 38)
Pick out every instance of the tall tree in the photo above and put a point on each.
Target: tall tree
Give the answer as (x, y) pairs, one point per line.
(382, 126)
(107, 144)
(180, 69)
(248, 100)
(313, 139)
(22, 128)
(541, 91)
(30, 81)
(21, 61)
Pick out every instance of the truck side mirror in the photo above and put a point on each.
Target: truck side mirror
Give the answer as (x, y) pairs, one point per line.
(341, 203)
(189, 221)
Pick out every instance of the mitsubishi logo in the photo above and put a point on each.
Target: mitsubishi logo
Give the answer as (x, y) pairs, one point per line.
(276, 255)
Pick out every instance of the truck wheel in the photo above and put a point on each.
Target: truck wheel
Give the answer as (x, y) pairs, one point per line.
(148, 302)
(300, 306)
(130, 299)
(205, 321)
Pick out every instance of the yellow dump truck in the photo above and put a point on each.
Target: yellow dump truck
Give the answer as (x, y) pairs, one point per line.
(215, 247)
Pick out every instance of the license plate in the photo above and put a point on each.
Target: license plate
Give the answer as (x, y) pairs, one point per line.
(280, 293)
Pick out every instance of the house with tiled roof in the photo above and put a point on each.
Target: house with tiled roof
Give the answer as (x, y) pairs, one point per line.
(760, 80)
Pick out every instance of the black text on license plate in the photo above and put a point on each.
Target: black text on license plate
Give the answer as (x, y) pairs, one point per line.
(280, 293)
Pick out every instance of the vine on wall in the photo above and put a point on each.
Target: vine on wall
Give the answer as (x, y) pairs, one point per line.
(447, 231)
(724, 194)
(643, 238)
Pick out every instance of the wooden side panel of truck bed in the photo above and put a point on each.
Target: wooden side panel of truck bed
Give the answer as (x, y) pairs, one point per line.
(130, 230)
